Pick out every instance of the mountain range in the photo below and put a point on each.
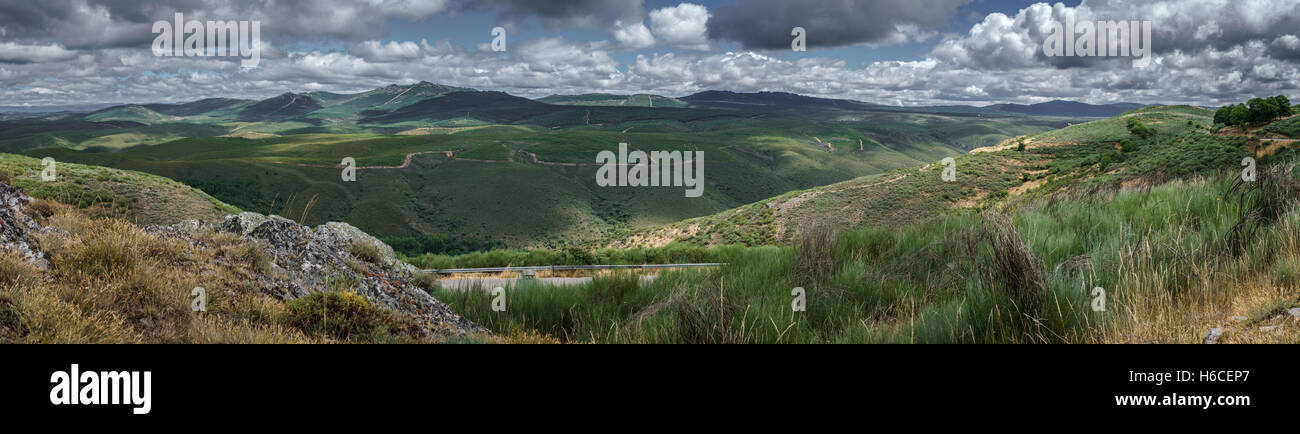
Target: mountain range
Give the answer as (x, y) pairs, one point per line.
(385, 105)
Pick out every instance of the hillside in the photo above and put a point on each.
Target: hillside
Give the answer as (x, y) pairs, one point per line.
(771, 99)
(341, 108)
(66, 277)
(471, 183)
(283, 107)
(491, 107)
(423, 107)
(1094, 233)
(986, 177)
(101, 192)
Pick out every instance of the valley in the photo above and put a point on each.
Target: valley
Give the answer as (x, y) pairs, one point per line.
(844, 200)
(487, 169)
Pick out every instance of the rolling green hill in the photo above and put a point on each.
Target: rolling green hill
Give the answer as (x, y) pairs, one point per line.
(530, 186)
(136, 197)
(492, 169)
(345, 108)
(1132, 229)
(1088, 153)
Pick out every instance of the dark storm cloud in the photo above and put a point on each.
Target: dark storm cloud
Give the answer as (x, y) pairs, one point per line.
(80, 24)
(563, 12)
(766, 24)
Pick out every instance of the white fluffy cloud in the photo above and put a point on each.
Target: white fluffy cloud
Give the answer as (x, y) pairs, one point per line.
(376, 51)
(633, 35)
(684, 26)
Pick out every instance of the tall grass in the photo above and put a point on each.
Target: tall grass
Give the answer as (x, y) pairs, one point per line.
(1162, 256)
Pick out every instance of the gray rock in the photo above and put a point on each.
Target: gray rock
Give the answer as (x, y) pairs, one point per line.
(16, 227)
(1270, 328)
(1239, 318)
(1213, 336)
(1293, 312)
(242, 223)
(344, 235)
(306, 261)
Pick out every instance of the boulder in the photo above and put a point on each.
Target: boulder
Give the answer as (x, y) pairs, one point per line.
(16, 227)
(305, 261)
(345, 235)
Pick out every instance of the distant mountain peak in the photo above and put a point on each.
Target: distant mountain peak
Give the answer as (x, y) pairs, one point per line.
(1059, 107)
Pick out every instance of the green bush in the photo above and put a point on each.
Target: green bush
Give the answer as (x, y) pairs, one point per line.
(1127, 145)
(341, 315)
(1139, 129)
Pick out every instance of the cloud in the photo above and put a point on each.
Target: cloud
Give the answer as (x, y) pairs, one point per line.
(683, 26)
(766, 24)
(1183, 26)
(86, 24)
(16, 53)
(633, 35)
(562, 13)
(1211, 52)
(375, 51)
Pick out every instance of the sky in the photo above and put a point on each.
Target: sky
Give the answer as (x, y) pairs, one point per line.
(895, 52)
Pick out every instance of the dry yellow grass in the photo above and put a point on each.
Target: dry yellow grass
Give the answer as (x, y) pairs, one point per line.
(112, 282)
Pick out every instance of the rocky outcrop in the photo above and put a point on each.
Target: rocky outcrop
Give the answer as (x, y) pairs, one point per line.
(304, 261)
(301, 260)
(16, 227)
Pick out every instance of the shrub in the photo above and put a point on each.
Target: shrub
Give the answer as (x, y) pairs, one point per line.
(426, 281)
(102, 254)
(15, 271)
(1127, 145)
(1262, 202)
(1020, 270)
(40, 208)
(366, 252)
(1139, 129)
(249, 254)
(337, 314)
(815, 252)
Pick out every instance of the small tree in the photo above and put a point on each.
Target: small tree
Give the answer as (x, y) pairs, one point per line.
(1127, 145)
(1139, 129)
(1221, 115)
(1239, 115)
(1283, 105)
(1262, 110)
